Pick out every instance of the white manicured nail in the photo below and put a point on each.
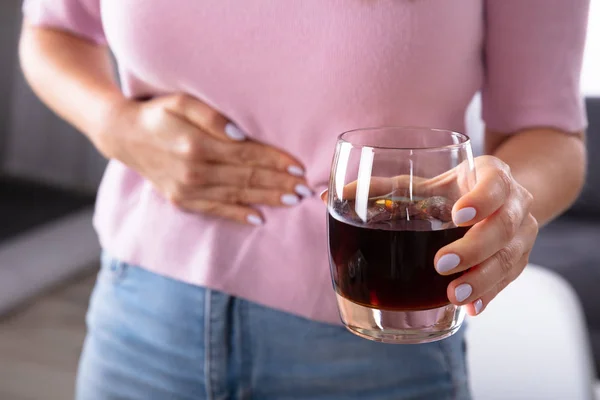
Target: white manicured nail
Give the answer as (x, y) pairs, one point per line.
(290, 199)
(235, 133)
(464, 215)
(447, 262)
(255, 220)
(462, 292)
(478, 306)
(296, 171)
(303, 190)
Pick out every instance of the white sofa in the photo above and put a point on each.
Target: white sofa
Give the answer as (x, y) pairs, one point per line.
(531, 343)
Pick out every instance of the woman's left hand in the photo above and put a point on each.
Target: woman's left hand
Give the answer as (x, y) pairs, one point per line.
(495, 251)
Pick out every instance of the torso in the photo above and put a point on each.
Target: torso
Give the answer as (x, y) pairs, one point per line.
(293, 74)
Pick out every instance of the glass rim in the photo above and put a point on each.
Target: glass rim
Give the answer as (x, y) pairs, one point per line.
(465, 140)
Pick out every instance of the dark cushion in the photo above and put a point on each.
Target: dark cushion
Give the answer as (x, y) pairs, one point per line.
(589, 201)
(26, 204)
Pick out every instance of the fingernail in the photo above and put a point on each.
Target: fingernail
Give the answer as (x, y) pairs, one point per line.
(462, 292)
(255, 220)
(447, 262)
(464, 215)
(295, 170)
(478, 306)
(233, 132)
(290, 199)
(303, 190)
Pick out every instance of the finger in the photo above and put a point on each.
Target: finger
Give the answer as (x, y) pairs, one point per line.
(196, 146)
(203, 116)
(237, 213)
(404, 185)
(253, 154)
(244, 177)
(505, 265)
(378, 186)
(323, 196)
(493, 188)
(477, 304)
(244, 196)
(475, 282)
(220, 128)
(482, 240)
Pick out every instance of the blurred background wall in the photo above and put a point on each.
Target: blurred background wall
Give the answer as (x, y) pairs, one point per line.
(34, 143)
(48, 178)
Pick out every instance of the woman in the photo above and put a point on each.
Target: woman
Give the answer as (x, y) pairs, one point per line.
(215, 281)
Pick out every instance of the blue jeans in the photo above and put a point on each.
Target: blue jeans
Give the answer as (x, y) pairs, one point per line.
(151, 337)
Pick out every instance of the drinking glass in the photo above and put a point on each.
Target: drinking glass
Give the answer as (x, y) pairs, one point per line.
(389, 204)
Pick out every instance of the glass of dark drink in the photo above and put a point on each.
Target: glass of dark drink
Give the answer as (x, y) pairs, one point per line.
(389, 205)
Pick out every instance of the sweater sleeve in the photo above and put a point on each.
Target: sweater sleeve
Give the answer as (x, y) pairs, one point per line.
(533, 57)
(79, 17)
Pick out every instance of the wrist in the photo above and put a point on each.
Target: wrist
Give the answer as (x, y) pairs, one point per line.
(108, 134)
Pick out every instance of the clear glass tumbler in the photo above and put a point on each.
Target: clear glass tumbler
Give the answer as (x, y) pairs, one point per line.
(389, 204)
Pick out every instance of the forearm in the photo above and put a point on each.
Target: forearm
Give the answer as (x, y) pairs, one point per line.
(548, 163)
(72, 76)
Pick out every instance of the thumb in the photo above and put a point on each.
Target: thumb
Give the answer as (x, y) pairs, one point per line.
(205, 117)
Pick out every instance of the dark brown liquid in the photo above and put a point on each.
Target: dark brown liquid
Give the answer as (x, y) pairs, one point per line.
(389, 269)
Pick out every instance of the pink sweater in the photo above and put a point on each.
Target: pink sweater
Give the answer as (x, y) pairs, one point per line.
(294, 74)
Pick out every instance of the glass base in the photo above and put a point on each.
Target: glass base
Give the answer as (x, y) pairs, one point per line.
(400, 327)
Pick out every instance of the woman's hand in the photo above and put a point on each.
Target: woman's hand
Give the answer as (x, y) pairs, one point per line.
(199, 160)
(496, 249)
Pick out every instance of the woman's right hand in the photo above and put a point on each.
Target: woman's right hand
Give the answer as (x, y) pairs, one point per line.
(199, 160)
